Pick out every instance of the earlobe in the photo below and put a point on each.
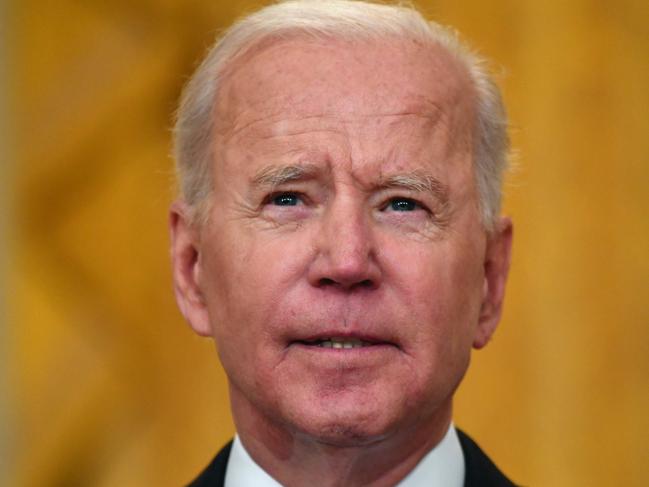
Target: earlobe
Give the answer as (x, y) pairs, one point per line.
(185, 261)
(496, 269)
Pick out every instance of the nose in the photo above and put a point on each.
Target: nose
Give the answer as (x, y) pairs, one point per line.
(346, 254)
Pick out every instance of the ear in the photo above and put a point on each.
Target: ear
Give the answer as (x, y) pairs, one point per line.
(496, 268)
(185, 262)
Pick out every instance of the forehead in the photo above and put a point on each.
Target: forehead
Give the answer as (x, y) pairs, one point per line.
(300, 78)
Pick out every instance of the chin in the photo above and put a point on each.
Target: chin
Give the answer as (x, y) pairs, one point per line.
(343, 434)
(346, 423)
(346, 436)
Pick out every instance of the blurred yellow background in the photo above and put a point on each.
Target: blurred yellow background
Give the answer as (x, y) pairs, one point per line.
(104, 385)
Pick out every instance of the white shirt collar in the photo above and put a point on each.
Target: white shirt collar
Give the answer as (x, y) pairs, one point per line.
(443, 466)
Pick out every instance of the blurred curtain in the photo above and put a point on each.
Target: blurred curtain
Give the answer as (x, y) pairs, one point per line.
(108, 386)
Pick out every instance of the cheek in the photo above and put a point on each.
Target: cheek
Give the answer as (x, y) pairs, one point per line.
(441, 285)
(248, 279)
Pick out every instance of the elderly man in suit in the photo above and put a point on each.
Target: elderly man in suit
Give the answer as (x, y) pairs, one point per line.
(338, 236)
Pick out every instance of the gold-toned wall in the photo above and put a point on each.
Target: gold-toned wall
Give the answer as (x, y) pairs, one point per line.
(106, 384)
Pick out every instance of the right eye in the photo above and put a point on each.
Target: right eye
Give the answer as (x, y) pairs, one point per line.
(284, 199)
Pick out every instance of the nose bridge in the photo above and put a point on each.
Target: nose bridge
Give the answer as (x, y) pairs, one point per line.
(346, 232)
(345, 247)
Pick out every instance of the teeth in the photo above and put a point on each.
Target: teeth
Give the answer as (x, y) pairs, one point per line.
(339, 343)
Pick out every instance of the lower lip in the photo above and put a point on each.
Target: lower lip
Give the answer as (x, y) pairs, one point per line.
(337, 370)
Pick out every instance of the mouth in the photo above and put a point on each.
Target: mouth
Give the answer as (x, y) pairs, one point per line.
(341, 342)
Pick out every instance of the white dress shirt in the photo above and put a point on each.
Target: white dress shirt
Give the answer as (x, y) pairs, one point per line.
(443, 466)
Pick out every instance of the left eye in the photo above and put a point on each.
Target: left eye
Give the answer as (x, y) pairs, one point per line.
(285, 199)
(402, 204)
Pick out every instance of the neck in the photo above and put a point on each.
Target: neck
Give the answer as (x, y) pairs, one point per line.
(294, 458)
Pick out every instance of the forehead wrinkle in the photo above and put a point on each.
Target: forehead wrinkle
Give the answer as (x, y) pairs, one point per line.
(287, 111)
(284, 126)
(418, 106)
(271, 126)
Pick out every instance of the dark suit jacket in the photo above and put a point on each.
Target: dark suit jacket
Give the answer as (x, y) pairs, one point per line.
(479, 472)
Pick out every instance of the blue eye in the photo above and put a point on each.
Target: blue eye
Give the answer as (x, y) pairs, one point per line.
(402, 204)
(285, 199)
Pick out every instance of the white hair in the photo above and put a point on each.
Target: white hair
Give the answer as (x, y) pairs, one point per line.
(341, 19)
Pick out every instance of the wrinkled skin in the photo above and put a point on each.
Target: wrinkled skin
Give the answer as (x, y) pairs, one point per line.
(344, 205)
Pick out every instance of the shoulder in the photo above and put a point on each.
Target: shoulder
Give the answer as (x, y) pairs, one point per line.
(480, 470)
(214, 473)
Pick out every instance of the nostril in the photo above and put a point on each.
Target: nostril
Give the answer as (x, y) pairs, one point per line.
(325, 281)
(366, 283)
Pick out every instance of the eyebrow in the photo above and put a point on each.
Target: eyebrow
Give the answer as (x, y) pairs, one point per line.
(416, 181)
(420, 182)
(274, 176)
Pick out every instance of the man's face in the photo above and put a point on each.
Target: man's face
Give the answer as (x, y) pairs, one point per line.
(343, 270)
